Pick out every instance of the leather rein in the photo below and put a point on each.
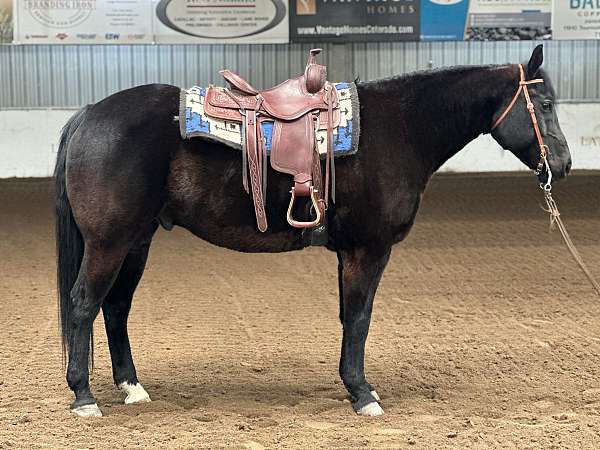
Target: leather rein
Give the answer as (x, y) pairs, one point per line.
(555, 219)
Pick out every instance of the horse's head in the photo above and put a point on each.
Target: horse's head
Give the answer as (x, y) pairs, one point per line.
(514, 128)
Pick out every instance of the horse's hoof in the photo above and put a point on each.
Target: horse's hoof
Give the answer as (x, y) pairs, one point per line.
(87, 411)
(370, 410)
(375, 395)
(135, 393)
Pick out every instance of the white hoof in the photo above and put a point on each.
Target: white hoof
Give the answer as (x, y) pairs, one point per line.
(135, 393)
(375, 395)
(371, 410)
(87, 411)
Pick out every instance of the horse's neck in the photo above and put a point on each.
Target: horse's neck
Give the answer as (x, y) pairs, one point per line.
(450, 108)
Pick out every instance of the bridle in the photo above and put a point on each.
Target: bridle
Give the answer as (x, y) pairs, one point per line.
(555, 219)
(544, 150)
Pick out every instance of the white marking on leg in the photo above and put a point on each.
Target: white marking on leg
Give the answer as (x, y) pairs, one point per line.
(87, 411)
(371, 410)
(135, 393)
(375, 395)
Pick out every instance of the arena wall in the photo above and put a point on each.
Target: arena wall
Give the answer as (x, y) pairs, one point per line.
(41, 85)
(29, 139)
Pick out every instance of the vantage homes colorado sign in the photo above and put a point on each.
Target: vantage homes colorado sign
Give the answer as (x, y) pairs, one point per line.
(357, 20)
(576, 19)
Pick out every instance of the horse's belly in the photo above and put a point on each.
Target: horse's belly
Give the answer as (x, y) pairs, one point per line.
(205, 195)
(245, 239)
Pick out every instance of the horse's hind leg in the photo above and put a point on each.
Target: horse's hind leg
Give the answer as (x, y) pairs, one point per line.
(99, 268)
(116, 308)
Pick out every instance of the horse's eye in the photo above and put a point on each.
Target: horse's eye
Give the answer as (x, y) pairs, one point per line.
(547, 105)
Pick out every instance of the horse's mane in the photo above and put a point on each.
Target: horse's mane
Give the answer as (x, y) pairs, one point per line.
(442, 75)
(438, 73)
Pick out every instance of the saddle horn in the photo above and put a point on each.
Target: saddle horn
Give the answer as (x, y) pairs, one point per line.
(314, 74)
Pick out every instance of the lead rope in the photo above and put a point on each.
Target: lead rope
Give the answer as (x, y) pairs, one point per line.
(556, 221)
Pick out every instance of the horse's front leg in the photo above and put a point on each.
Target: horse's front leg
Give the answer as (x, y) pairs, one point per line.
(360, 271)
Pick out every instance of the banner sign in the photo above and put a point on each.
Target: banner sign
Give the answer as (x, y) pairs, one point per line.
(509, 20)
(443, 20)
(221, 21)
(357, 20)
(83, 21)
(282, 21)
(6, 22)
(576, 19)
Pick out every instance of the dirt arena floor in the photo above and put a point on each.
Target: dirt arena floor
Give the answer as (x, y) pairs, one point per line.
(485, 334)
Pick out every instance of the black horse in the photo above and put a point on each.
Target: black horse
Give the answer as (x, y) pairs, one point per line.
(123, 169)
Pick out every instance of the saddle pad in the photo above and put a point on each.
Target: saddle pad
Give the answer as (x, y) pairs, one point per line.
(194, 122)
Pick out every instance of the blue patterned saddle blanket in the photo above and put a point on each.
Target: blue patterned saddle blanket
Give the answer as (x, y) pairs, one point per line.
(194, 122)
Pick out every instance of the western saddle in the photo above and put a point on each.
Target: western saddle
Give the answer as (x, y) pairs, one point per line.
(298, 107)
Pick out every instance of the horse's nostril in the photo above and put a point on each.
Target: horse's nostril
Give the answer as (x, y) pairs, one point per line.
(568, 168)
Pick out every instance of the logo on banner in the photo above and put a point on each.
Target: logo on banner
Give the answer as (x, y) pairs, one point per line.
(306, 7)
(221, 19)
(60, 14)
(86, 36)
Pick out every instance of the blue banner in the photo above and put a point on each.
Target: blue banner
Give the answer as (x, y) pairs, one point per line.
(443, 20)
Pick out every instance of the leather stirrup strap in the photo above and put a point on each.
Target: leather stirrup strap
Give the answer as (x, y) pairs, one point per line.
(330, 163)
(244, 132)
(318, 179)
(245, 162)
(251, 125)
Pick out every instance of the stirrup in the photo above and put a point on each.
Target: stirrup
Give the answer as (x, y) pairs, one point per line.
(315, 204)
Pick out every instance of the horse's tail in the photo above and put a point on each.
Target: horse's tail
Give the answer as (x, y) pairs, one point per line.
(69, 242)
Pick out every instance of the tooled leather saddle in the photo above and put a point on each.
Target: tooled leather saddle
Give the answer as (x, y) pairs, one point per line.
(297, 108)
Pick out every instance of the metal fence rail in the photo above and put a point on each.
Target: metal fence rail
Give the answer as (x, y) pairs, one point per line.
(43, 76)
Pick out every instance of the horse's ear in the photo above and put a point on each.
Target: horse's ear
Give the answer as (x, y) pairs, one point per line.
(536, 60)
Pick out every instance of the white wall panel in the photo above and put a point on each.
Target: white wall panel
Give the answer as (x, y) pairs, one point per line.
(29, 139)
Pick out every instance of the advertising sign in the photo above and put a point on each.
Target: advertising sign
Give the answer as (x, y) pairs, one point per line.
(357, 20)
(443, 20)
(6, 22)
(576, 19)
(221, 21)
(83, 21)
(509, 20)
